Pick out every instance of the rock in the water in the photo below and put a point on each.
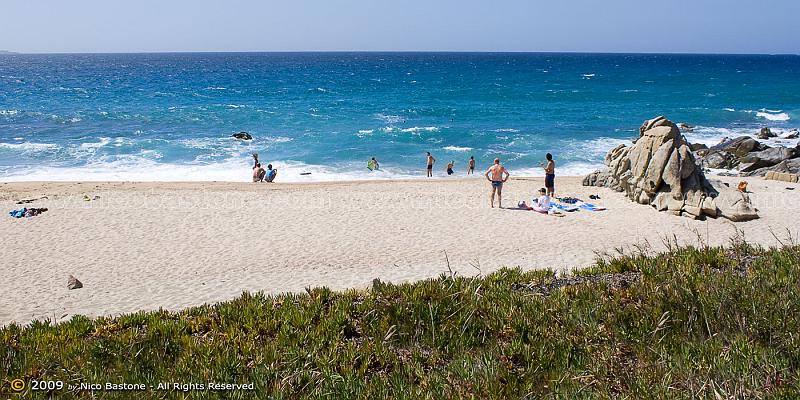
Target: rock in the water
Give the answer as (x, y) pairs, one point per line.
(686, 127)
(792, 135)
(728, 154)
(766, 158)
(660, 170)
(242, 136)
(73, 283)
(766, 133)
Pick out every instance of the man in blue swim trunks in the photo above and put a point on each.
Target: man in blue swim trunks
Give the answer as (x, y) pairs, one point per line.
(499, 174)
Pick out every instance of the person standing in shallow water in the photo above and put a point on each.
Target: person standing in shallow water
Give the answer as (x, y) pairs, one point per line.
(430, 161)
(550, 175)
(499, 174)
(471, 165)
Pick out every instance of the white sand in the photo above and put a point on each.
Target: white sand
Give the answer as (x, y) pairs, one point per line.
(142, 246)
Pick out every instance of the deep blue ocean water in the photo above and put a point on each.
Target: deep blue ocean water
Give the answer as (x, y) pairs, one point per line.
(170, 116)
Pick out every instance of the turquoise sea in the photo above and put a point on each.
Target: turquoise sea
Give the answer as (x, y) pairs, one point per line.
(169, 117)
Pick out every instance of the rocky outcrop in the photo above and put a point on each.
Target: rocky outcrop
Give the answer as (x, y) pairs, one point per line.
(747, 155)
(766, 133)
(242, 136)
(766, 158)
(787, 166)
(660, 170)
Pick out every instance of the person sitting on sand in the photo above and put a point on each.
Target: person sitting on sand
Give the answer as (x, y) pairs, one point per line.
(550, 175)
(471, 165)
(450, 167)
(271, 173)
(499, 174)
(258, 173)
(540, 205)
(430, 161)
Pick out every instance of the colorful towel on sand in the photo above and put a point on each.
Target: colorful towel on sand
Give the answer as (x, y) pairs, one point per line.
(566, 207)
(26, 212)
(590, 207)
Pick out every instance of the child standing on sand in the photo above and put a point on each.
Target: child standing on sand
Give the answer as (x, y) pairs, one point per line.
(450, 167)
(471, 165)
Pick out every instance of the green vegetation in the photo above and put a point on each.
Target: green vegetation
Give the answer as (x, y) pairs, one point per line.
(694, 323)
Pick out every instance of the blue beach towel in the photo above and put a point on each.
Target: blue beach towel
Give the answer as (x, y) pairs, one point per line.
(590, 207)
(18, 213)
(566, 207)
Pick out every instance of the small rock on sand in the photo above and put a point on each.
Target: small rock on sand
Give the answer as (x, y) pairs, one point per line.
(74, 283)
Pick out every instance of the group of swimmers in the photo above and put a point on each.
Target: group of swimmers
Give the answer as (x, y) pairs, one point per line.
(497, 174)
(450, 166)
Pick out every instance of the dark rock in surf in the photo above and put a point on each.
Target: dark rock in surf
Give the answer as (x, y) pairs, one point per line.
(242, 136)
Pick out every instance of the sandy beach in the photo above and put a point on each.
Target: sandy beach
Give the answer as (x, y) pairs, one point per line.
(144, 246)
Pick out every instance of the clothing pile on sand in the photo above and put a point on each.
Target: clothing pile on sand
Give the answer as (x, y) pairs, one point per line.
(26, 212)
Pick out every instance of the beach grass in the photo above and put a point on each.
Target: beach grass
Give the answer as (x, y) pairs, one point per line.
(721, 322)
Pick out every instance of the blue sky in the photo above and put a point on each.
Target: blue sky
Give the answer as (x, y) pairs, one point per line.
(682, 26)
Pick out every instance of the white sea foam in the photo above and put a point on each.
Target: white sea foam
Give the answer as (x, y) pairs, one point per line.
(389, 119)
(588, 75)
(417, 129)
(773, 117)
(457, 148)
(216, 88)
(26, 146)
(506, 130)
(366, 131)
(9, 112)
(278, 139)
(730, 109)
(144, 167)
(567, 169)
(103, 141)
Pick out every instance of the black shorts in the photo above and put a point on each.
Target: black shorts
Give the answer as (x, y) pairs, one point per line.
(430, 166)
(550, 180)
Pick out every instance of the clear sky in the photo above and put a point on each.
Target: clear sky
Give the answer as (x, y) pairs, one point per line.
(693, 26)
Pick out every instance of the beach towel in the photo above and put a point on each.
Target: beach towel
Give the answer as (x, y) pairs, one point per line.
(18, 213)
(566, 207)
(590, 207)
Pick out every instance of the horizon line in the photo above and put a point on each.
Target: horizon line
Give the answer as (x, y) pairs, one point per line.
(10, 52)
